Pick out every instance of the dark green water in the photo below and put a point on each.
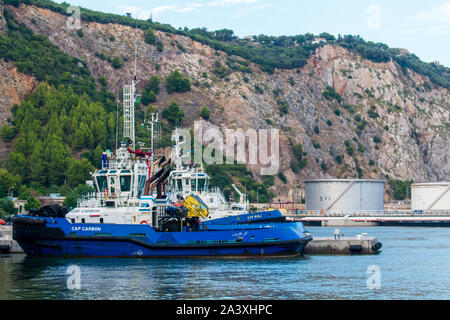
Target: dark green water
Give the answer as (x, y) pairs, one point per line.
(414, 264)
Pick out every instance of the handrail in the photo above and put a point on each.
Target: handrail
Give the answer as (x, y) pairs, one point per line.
(369, 213)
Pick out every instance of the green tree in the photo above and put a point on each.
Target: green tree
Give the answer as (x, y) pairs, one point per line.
(7, 208)
(401, 190)
(8, 181)
(78, 171)
(80, 33)
(173, 114)
(151, 90)
(48, 163)
(282, 177)
(71, 199)
(32, 203)
(205, 113)
(330, 94)
(176, 82)
(116, 63)
(38, 164)
(298, 151)
(149, 36)
(148, 97)
(8, 133)
(57, 154)
(17, 165)
(153, 84)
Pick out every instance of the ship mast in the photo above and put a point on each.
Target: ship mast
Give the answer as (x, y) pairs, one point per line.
(129, 99)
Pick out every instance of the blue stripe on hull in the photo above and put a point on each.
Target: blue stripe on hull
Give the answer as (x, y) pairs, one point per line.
(58, 237)
(98, 248)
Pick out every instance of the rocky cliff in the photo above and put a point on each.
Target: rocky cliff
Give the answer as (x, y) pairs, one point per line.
(379, 120)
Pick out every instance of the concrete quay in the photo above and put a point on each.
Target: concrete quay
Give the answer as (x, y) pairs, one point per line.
(360, 244)
(367, 219)
(7, 244)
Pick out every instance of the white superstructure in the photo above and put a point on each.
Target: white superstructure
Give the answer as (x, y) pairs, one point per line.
(188, 179)
(134, 186)
(123, 185)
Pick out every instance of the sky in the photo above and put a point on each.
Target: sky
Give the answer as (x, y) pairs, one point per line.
(422, 27)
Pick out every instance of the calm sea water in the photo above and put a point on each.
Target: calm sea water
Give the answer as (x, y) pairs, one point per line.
(414, 264)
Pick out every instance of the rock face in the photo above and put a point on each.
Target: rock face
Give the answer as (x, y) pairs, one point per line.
(407, 131)
(14, 87)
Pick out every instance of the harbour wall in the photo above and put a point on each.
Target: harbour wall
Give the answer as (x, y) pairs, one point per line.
(7, 244)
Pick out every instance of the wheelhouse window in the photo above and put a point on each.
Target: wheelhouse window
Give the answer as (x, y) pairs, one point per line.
(112, 183)
(141, 185)
(125, 183)
(101, 182)
(201, 184)
(193, 184)
(180, 184)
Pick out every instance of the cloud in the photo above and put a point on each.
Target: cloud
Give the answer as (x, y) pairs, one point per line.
(185, 9)
(157, 11)
(230, 2)
(434, 20)
(440, 13)
(141, 13)
(264, 5)
(160, 9)
(243, 11)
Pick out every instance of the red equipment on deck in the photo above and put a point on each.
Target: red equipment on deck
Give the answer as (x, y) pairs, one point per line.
(139, 153)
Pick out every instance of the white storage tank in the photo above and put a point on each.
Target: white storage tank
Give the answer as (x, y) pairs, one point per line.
(344, 195)
(430, 196)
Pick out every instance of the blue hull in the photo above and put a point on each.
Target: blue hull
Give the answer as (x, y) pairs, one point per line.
(57, 237)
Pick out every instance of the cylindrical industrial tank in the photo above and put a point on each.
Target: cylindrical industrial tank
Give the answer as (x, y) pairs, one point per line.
(430, 196)
(344, 195)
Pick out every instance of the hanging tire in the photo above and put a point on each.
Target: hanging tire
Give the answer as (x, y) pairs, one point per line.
(377, 246)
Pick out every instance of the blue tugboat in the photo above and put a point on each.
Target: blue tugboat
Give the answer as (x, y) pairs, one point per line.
(138, 210)
(49, 233)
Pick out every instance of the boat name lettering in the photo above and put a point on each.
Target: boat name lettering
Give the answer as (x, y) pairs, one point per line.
(86, 229)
